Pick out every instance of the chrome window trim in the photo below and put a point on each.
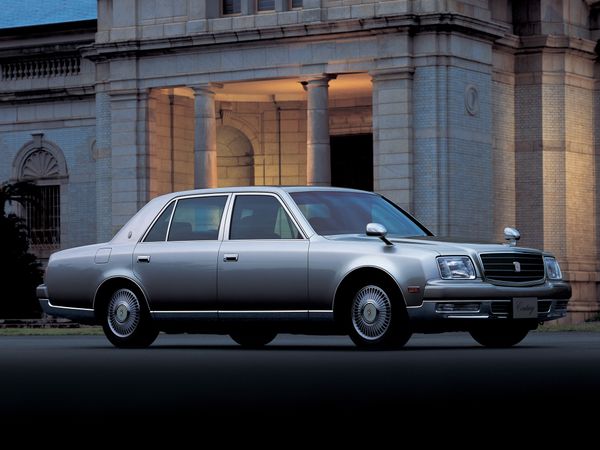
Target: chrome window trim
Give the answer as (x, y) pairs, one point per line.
(228, 196)
(227, 230)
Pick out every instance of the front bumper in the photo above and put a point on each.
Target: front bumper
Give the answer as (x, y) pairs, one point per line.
(478, 300)
(81, 315)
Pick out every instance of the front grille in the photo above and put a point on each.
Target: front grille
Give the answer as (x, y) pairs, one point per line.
(503, 267)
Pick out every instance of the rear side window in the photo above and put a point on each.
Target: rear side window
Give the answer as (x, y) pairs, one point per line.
(197, 219)
(158, 232)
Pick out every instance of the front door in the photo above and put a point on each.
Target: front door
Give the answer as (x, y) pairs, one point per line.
(263, 263)
(177, 260)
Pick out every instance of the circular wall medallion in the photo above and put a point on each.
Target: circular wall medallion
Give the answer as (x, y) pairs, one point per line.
(472, 100)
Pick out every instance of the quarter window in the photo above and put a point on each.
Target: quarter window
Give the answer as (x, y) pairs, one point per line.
(261, 217)
(197, 219)
(232, 7)
(158, 232)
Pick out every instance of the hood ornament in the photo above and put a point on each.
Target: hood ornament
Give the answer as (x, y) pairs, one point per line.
(512, 235)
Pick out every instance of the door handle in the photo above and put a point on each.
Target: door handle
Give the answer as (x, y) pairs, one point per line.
(143, 258)
(230, 257)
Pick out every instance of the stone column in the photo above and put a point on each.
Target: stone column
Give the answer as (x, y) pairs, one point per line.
(318, 156)
(128, 128)
(205, 137)
(393, 135)
(102, 157)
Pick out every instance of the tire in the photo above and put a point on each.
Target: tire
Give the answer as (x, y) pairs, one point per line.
(126, 322)
(377, 316)
(249, 339)
(499, 337)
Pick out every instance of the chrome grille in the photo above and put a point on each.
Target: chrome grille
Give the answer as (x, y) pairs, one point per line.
(503, 267)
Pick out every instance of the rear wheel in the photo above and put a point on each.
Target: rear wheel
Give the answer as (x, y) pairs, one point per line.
(251, 339)
(500, 337)
(376, 318)
(126, 323)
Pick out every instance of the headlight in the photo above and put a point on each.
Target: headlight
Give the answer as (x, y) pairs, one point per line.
(456, 268)
(552, 268)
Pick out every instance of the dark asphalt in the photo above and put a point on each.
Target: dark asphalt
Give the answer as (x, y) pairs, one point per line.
(210, 378)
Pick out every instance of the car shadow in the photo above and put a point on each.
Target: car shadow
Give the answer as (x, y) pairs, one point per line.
(325, 348)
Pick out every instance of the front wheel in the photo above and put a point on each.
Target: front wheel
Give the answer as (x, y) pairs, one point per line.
(375, 320)
(126, 323)
(499, 337)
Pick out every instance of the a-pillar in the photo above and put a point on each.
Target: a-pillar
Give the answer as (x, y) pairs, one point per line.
(318, 156)
(393, 135)
(205, 137)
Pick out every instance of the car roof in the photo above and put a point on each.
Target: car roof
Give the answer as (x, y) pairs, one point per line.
(270, 189)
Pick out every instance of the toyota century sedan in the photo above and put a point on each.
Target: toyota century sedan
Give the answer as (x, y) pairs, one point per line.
(253, 262)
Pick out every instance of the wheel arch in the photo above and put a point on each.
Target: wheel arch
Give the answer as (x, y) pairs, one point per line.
(112, 283)
(359, 274)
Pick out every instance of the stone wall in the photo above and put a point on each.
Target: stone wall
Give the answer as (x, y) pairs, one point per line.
(69, 126)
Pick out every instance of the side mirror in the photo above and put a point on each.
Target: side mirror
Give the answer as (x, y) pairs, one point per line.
(512, 235)
(378, 230)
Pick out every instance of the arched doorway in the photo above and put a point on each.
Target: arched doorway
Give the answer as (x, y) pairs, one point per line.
(235, 158)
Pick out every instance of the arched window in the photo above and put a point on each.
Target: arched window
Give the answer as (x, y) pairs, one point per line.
(42, 162)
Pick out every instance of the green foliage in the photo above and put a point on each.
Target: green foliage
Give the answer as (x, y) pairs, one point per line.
(20, 272)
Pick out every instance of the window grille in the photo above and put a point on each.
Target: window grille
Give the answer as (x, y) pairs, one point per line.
(232, 7)
(265, 5)
(43, 217)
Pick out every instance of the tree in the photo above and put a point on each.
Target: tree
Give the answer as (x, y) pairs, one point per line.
(20, 272)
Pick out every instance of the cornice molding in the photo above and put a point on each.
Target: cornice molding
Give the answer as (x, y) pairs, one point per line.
(407, 23)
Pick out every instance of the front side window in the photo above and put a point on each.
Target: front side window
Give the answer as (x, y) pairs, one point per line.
(265, 5)
(261, 217)
(43, 216)
(232, 7)
(197, 219)
(332, 213)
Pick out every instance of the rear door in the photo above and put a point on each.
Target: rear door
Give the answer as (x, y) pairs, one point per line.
(176, 261)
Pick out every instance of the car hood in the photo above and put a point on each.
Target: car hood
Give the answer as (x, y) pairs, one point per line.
(451, 244)
(440, 245)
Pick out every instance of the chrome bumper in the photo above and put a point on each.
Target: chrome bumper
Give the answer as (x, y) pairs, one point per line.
(480, 300)
(481, 310)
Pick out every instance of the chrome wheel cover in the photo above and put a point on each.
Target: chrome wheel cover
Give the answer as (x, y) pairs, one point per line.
(123, 313)
(371, 312)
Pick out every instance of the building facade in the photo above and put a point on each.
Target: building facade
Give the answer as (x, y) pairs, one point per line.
(471, 114)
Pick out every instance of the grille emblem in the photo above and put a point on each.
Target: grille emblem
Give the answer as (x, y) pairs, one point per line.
(517, 265)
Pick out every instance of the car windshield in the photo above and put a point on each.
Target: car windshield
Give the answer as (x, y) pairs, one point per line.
(331, 213)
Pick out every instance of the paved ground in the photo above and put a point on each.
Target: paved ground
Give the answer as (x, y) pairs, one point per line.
(444, 378)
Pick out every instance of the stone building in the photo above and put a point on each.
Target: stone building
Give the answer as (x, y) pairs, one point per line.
(471, 114)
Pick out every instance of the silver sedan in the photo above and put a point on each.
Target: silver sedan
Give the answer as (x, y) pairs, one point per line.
(257, 261)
